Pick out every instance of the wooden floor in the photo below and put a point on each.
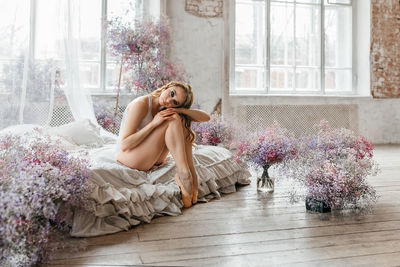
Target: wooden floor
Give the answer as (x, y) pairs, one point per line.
(246, 229)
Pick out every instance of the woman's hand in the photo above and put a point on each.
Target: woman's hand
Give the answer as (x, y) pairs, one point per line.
(162, 116)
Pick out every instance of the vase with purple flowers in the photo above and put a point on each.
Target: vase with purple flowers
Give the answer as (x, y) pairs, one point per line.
(265, 148)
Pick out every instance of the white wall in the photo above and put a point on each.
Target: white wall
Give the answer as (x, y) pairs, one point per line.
(197, 44)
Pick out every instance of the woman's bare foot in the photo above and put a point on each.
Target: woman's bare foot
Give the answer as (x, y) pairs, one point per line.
(184, 181)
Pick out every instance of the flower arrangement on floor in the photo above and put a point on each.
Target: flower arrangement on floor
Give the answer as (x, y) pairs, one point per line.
(142, 46)
(214, 132)
(265, 148)
(39, 183)
(333, 165)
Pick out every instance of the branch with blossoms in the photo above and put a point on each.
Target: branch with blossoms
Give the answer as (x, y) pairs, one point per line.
(142, 47)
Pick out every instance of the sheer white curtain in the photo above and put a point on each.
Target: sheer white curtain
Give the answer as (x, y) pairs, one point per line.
(34, 63)
(79, 100)
(44, 58)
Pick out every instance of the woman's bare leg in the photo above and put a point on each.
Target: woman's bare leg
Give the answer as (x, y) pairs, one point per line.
(144, 156)
(175, 141)
(163, 156)
(189, 156)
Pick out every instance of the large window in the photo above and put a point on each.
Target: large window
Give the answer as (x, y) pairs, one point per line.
(293, 47)
(36, 25)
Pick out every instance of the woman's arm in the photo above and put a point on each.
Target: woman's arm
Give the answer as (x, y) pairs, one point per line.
(195, 114)
(130, 136)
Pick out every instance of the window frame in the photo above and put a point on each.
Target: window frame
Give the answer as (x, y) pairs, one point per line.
(231, 31)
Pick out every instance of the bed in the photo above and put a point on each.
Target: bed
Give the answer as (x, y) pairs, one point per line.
(124, 197)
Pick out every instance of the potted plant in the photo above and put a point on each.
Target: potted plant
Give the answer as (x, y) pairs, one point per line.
(333, 166)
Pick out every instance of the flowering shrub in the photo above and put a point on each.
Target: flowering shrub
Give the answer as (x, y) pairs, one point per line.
(269, 146)
(213, 132)
(38, 177)
(142, 45)
(106, 117)
(333, 166)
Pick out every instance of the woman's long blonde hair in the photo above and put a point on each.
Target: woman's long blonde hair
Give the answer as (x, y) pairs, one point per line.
(191, 136)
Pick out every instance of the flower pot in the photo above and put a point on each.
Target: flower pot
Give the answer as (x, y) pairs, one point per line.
(315, 205)
(265, 183)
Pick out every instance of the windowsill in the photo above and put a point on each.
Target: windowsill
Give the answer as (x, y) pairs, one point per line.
(301, 96)
(111, 94)
(262, 99)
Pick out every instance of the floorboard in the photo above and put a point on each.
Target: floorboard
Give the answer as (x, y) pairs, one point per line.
(250, 229)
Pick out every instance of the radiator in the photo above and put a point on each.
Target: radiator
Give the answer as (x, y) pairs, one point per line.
(300, 119)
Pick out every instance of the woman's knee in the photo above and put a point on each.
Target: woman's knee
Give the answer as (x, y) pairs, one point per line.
(176, 119)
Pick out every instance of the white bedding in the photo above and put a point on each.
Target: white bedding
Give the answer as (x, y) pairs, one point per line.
(125, 197)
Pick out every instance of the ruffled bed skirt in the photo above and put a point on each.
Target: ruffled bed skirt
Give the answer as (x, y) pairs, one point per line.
(125, 197)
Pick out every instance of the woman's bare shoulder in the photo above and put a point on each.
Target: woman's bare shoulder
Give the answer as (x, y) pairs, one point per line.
(138, 106)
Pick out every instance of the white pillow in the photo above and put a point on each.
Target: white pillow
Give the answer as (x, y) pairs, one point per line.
(20, 129)
(82, 132)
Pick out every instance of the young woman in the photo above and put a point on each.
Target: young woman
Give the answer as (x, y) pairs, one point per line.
(156, 124)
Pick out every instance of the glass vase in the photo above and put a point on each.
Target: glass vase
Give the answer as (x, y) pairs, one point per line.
(265, 183)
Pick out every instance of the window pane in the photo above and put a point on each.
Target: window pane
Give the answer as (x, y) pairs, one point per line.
(49, 32)
(338, 80)
(308, 21)
(250, 33)
(112, 73)
(308, 79)
(281, 79)
(282, 41)
(90, 29)
(250, 45)
(126, 10)
(338, 2)
(5, 85)
(338, 37)
(90, 74)
(309, 1)
(249, 78)
(112, 77)
(338, 48)
(49, 38)
(14, 28)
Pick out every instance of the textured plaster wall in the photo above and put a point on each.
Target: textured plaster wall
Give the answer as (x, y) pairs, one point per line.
(379, 120)
(197, 44)
(385, 48)
(204, 8)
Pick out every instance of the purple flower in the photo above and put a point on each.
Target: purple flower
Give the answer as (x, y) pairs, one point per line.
(37, 176)
(213, 132)
(266, 147)
(333, 165)
(143, 47)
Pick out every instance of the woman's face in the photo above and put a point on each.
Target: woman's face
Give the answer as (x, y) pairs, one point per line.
(172, 97)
